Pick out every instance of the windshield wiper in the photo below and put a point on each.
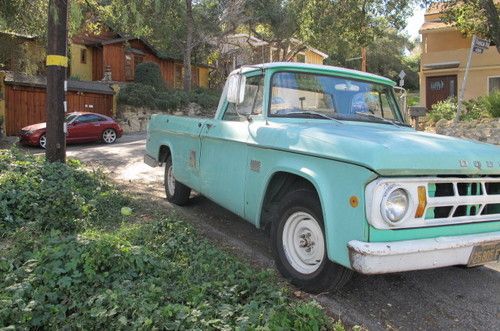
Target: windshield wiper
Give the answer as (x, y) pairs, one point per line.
(313, 113)
(381, 119)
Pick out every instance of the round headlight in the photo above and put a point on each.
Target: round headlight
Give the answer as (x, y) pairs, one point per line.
(394, 205)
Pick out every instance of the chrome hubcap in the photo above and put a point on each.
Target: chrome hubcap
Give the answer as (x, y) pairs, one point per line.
(303, 242)
(170, 181)
(109, 136)
(43, 141)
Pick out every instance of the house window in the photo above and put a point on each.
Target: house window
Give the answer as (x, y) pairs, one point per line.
(83, 55)
(301, 58)
(493, 84)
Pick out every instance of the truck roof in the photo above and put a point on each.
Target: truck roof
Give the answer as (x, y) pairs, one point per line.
(316, 68)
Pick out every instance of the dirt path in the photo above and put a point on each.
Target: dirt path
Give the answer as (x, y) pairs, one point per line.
(449, 298)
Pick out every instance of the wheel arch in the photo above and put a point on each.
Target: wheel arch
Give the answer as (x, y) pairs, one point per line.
(280, 182)
(164, 151)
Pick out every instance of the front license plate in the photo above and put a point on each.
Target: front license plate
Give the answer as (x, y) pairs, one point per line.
(485, 253)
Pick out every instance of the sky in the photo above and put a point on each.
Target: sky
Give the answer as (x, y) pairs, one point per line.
(415, 22)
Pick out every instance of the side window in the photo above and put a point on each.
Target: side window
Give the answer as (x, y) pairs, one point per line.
(252, 104)
(89, 118)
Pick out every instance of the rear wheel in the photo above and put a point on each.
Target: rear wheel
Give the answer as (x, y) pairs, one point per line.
(42, 141)
(299, 245)
(176, 192)
(109, 136)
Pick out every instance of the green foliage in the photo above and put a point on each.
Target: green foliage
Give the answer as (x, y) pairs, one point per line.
(128, 273)
(141, 95)
(492, 103)
(148, 73)
(474, 17)
(44, 196)
(443, 110)
(482, 107)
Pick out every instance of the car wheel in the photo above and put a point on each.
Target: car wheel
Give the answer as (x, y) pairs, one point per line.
(176, 192)
(109, 136)
(299, 245)
(42, 141)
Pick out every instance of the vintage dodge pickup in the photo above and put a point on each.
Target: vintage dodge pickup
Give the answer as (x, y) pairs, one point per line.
(322, 157)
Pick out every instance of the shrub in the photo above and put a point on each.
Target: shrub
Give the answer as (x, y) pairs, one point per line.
(46, 196)
(125, 274)
(443, 110)
(138, 95)
(149, 73)
(492, 103)
(141, 95)
(482, 107)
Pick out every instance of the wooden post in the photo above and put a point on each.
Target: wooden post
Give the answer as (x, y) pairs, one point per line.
(363, 59)
(57, 63)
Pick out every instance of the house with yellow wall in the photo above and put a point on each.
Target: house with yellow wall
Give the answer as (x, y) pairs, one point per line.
(444, 58)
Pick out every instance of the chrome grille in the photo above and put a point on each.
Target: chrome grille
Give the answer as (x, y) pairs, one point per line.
(463, 199)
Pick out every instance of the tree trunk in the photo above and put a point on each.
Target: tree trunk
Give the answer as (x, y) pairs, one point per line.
(189, 46)
(56, 75)
(493, 21)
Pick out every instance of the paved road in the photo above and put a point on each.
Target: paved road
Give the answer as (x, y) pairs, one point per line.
(449, 298)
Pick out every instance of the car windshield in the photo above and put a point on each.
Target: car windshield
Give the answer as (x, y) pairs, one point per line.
(70, 117)
(318, 96)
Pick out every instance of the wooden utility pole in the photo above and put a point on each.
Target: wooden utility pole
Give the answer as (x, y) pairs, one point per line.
(57, 63)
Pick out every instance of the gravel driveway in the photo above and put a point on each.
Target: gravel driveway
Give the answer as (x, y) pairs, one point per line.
(449, 298)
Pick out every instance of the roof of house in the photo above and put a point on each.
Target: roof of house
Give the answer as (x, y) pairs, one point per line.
(256, 42)
(16, 78)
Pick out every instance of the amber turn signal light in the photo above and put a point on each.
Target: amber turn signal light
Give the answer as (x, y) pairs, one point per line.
(422, 201)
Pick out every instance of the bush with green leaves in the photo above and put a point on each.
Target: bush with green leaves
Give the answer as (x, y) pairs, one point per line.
(45, 196)
(149, 73)
(491, 103)
(121, 273)
(443, 110)
(475, 109)
(142, 95)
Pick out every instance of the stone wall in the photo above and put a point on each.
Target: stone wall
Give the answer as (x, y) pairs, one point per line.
(135, 119)
(485, 130)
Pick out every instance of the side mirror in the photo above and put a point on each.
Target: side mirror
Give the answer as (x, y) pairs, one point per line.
(236, 88)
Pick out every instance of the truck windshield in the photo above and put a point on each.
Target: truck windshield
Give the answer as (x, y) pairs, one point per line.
(318, 96)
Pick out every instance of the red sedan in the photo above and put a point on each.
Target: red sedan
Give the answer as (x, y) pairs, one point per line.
(81, 127)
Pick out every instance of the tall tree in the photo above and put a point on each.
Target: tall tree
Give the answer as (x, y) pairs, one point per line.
(189, 45)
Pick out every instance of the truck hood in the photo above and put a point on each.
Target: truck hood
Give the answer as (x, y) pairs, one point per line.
(386, 149)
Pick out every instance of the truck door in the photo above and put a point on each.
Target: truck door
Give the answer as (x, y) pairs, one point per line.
(223, 159)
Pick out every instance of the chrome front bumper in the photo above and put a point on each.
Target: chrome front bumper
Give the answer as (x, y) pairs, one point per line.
(386, 257)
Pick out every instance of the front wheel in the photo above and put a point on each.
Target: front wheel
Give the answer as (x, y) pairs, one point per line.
(176, 192)
(109, 136)
(299, 245)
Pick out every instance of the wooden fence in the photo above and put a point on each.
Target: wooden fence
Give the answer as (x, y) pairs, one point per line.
(25, 101)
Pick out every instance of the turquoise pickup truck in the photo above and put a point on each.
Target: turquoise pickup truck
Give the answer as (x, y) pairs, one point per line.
(322, 157)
